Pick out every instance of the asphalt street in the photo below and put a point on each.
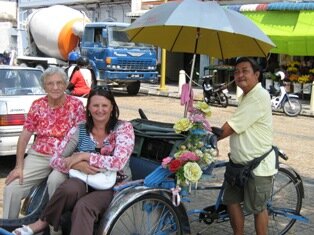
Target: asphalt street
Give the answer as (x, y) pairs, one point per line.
(293, 135)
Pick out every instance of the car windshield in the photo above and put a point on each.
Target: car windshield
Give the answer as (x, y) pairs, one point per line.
(20, 82)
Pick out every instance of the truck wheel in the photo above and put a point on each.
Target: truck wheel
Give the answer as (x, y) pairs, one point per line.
(133, 88)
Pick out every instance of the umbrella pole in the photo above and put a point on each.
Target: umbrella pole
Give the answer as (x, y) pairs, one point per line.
(190, 85)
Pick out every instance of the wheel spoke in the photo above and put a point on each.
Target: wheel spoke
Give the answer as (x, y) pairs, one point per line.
(154, 215)
(285, 202)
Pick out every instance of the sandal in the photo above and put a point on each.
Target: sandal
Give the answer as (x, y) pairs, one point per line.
(25, 230)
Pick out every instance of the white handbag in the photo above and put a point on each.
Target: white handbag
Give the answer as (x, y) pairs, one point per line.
(101, 181)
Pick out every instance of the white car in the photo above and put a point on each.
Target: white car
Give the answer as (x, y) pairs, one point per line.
(19, 87)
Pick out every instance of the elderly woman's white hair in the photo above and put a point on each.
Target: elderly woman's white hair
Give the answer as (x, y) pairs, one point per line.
(52, 71)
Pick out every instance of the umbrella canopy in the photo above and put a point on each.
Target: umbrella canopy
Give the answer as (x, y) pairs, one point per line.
(199, 27)
(194, 26)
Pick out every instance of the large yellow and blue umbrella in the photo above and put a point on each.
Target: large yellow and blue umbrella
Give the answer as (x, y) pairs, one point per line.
(200, 27)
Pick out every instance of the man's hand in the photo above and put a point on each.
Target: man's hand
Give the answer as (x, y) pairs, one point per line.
(16, 173)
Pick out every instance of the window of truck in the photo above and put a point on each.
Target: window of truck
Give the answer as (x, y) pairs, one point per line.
(117, 37)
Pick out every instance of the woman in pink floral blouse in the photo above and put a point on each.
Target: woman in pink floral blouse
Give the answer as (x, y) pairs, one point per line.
(103, 142)
(50, 118)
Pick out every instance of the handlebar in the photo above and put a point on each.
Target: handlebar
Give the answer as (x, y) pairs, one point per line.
(282, 154)
(217, 131)
(207, 76)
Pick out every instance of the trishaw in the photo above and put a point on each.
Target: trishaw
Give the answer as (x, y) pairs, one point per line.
(150, 205)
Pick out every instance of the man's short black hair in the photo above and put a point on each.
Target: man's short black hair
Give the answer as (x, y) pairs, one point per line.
(253, 63)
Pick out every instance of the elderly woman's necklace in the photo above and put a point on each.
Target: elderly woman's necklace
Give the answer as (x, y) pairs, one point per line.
(56, 103)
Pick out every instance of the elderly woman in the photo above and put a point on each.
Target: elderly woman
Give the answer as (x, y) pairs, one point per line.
(102, 143)
(50, 118)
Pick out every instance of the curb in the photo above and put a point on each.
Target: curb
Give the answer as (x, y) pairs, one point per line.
(198, 95)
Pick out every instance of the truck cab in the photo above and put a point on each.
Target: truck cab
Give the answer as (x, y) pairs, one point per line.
(116, 60)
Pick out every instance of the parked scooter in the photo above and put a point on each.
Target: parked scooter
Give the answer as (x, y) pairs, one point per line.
(281, 100)
(215, 93)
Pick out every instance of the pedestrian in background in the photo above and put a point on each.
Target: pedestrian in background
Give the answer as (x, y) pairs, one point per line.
(72, 63)
(82, 79)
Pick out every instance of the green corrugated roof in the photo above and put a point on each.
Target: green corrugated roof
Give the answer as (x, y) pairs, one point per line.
(291, 31)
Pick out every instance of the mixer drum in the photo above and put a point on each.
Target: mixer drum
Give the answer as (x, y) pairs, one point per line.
(55, 30)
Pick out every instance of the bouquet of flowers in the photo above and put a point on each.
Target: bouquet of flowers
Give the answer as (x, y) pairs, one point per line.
(293, 66)
(293, 78)
(304, 79)
(197, 152)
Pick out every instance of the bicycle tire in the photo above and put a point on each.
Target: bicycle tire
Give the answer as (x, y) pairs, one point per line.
(286, 196)
(36, 202)
(158, 211)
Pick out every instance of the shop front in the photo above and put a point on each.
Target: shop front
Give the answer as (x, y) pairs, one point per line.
(290, 25)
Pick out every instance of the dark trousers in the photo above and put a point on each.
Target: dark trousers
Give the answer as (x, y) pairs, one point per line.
(86, 207)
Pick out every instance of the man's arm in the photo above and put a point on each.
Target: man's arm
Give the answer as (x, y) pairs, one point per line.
(226, 131)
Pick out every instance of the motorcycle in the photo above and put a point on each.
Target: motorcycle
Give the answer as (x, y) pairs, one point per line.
(214, 93)
(281, 100)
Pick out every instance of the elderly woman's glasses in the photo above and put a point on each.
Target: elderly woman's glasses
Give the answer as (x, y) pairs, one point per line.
(53, 84)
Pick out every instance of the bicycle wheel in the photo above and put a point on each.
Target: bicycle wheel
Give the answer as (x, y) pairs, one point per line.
(149, 214)
(286, 200)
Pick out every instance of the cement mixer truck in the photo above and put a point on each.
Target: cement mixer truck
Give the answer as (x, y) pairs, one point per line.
(50, 34)
(47, 35)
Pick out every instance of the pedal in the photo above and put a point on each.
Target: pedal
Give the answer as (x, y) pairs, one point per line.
(211, 214)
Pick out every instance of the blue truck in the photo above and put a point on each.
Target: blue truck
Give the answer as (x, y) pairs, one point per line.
(117, 61)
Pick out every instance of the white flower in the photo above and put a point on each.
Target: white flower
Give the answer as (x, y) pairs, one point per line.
(182, 125)
(192, 172)
(199, 153)
(207, 158)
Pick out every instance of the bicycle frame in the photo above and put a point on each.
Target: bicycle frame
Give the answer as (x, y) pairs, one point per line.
(213, 213)
(217, 212)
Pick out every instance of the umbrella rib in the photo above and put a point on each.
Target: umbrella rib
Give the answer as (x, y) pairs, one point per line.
(177, 36)
(197, 38)
(260, 47)
(220, 46)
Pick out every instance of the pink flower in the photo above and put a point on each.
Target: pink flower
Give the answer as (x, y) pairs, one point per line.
(197, 118)
(207, 125)
(166, 161)
(188, 156)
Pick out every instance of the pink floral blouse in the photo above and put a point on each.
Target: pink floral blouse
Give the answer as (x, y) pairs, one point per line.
(117, 151)
(52, 124)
